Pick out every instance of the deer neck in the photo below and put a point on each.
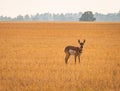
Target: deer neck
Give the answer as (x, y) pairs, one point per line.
(81, 48)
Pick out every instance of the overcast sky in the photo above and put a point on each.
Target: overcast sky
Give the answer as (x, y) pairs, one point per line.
(15, 7)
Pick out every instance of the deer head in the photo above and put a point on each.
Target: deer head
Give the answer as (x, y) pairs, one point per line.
(81, 43)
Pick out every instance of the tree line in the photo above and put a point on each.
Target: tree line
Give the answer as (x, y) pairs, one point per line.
(86, 16)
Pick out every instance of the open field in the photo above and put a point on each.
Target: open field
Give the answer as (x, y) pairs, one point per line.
(32, 56)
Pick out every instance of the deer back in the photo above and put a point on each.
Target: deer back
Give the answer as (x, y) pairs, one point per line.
(72, 50)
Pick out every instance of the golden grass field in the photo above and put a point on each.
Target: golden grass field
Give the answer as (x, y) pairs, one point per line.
(32, 56)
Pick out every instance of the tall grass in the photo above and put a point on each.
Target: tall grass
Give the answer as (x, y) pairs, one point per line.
(32, 57)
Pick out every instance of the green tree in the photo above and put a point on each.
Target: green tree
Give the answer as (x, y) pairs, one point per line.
(87, 16)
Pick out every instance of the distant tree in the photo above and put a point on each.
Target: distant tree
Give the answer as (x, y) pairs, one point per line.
(36, 17)
(1, 18)
(46, 16)
(62, 17)
(27, 17)
(19, 18)
(56, 17)
(118, 15)
(87, 16)
(5, 18)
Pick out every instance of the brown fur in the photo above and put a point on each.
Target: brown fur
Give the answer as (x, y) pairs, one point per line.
(73, 50)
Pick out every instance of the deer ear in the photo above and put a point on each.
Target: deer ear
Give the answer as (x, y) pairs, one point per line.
(84, 41)
(78, 41)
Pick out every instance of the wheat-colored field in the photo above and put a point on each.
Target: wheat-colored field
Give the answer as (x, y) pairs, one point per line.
(32, 56)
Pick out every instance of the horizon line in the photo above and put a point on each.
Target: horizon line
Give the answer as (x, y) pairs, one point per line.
(57, 13)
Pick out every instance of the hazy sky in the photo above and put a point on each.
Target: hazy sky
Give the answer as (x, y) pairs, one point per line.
(15, 7)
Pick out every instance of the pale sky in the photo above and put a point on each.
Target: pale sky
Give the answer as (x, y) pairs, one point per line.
(15, 7)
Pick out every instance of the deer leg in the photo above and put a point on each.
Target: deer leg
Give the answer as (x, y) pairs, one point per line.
(66, 58)
(75, 59)
(79, 58)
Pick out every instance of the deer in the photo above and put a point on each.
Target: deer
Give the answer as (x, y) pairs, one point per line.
(73, 50)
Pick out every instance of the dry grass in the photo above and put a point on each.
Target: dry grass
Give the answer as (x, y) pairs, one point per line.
(32, 57)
